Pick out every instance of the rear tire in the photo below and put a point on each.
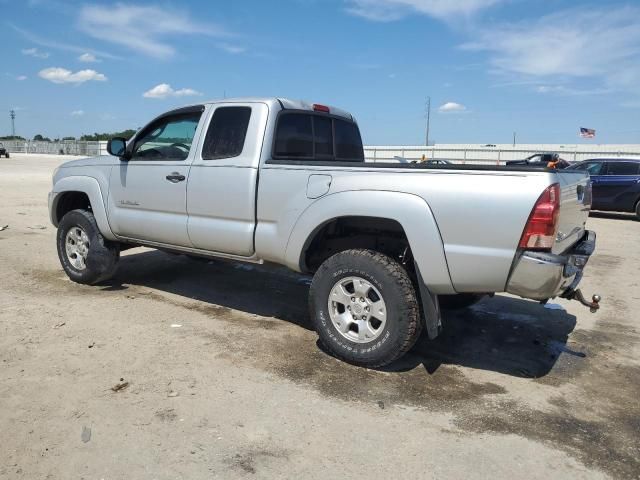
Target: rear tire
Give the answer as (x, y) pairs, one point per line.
(364, 308)
(638, 210)
(85, 255)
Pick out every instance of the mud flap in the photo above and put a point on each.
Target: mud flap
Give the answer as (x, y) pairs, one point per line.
(431, 315)
(101, 257)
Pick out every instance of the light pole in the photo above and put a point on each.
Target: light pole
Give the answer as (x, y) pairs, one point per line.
(12, 114)
(428, 120)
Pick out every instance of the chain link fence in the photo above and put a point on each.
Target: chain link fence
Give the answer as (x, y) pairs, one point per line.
(67, 147)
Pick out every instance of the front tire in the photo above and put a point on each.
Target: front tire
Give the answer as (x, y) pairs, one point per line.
(85, 255)
(638, 210)
(364, 308)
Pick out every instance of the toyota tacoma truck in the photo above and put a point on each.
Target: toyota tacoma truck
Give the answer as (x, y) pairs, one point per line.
(286, 182)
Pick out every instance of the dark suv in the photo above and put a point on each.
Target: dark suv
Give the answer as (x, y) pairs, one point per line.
(3, 151)
(616, 183)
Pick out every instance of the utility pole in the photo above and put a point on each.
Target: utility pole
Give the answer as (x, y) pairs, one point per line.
(12, 114)
(428, 120)
(514, 139)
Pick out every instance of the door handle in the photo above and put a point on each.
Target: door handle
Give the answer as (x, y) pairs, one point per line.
(175, 177)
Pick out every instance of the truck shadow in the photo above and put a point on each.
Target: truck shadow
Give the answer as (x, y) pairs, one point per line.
(503, 334)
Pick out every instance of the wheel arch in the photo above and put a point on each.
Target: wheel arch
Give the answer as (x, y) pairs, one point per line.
(404, 213)
(74, 192)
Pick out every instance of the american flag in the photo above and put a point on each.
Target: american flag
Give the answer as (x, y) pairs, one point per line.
(587, 132)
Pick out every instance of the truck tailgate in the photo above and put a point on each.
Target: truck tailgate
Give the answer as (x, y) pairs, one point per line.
(575, 203)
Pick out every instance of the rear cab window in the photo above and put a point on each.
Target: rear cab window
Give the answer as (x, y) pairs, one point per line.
(310, 136)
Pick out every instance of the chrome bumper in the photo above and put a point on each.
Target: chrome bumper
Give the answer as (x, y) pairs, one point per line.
(540, 276)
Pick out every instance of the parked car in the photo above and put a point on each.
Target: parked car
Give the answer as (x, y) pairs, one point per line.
(615, 183)
(437, 161)
(3, 151)
(282, 181)
(544, 160)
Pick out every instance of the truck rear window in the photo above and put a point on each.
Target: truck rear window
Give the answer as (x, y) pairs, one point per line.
(309, 136)
(226, 133)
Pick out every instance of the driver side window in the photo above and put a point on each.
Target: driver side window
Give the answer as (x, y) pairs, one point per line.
(168, 138)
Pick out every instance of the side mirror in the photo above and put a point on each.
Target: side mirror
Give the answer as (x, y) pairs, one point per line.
(117, 147)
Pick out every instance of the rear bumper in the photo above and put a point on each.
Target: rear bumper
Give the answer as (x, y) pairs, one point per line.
(541, 276)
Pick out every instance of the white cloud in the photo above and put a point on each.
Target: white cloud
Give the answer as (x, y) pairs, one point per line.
(62, 75)
(602, 44)
(77, 113)
(233, 49)
(389, 10)
(34, 52)
(141, 28)
(165, 90)
(562, 90)
(88, 58)
(452, 107)
(549, 88)
(45, 42)
(21, 77)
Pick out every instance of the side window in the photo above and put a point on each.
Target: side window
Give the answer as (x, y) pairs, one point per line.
(348, 141)
(294, 137)
(622, 168)
(594, 168)
(227, 132)
(169, 138)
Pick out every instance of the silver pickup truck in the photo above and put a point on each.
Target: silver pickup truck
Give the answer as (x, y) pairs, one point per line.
(274, 180)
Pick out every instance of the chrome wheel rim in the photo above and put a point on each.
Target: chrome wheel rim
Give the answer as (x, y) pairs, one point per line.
(76, 245)
(357, 309)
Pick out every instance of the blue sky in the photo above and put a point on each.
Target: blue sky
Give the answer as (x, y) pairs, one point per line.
(491, 67)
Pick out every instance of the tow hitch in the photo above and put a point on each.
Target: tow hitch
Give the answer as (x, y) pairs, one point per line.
(594, 305)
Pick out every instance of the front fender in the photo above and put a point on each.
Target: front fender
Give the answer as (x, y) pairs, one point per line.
(89, 186)
(410, 211)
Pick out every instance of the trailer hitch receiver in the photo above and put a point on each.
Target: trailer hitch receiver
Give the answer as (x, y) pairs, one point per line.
(593, 305)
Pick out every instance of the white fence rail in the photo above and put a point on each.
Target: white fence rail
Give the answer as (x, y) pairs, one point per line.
(489, 155)
(471, 154)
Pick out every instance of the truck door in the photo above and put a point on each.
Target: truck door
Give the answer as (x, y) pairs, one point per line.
(148, 193)
(221, 195)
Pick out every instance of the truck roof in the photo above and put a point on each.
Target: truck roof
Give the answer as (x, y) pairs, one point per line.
(285, 103)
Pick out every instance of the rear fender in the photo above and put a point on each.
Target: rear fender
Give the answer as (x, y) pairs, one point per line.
(410, 211)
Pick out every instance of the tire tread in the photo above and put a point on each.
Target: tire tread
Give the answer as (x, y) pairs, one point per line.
(410, 310)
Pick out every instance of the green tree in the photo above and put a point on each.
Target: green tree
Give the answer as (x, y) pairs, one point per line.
(106, 136)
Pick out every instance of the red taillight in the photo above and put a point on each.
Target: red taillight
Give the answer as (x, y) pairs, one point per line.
(320, 108)
(540, 231)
